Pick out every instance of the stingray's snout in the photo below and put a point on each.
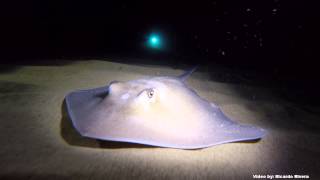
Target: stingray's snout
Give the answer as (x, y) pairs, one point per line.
(114, 86)
(113, 82)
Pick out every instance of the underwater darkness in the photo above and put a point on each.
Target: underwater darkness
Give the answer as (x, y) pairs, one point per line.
(277, 41)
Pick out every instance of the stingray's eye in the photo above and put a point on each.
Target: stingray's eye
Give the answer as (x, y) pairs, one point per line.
(146, 95)
(150, 93)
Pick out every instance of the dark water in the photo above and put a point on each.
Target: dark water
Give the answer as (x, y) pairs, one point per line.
(266, 43)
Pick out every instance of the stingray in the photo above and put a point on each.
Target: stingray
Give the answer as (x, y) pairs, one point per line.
(158, 111)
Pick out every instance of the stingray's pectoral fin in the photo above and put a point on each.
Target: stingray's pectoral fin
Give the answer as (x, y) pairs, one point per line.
(81, 106)
(236, 133)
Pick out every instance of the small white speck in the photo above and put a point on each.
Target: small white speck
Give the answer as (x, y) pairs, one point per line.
(235, 37)
(223, 53)
(248, 9)
(274, 11)
(259, 22)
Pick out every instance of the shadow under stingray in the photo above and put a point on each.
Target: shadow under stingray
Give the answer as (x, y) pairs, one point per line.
(72, 137)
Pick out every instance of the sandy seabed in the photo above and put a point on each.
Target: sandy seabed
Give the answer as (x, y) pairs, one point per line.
(39, 142)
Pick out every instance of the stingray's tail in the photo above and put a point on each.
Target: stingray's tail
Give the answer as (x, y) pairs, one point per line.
(186, 74)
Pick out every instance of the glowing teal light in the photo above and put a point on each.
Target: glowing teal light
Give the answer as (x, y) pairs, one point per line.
(154, 42)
